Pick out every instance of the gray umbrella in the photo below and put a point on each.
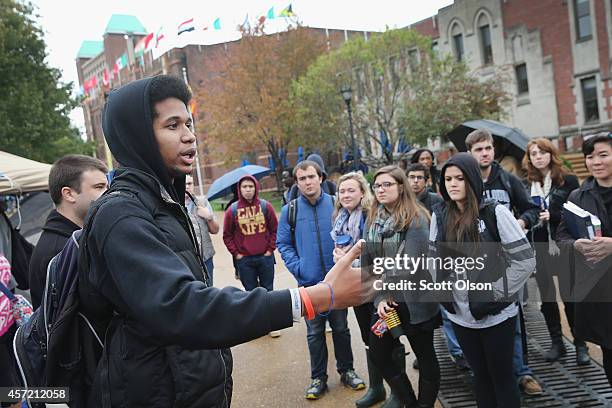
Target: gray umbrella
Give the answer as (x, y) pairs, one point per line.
(508, 140)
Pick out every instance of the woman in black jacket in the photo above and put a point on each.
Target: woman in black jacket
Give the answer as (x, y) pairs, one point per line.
(550, 185)
(592, 263)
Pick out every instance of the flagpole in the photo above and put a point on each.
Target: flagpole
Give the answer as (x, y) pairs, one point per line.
(198, 171)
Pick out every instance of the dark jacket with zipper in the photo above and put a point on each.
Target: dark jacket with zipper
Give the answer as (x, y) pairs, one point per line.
(507, 189)
(592, 289)
(556, 198)
(56, 231)
(167, 341)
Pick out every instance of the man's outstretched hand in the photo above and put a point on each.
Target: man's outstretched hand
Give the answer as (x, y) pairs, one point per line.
(349, 288)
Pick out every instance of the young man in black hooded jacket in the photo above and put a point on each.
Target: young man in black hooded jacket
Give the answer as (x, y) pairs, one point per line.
(167, 333)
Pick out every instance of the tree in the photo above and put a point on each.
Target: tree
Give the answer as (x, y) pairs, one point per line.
(250, 103)
(34, 106)
(402, 92)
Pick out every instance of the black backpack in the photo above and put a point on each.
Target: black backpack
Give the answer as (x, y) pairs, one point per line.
(59, 346)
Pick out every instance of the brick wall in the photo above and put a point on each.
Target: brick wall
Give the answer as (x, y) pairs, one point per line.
(551, 17)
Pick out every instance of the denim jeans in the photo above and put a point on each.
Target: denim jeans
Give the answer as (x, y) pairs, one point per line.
(209, 268)
(255, 271)
(454, 349)
(520, 369)
(317, 345)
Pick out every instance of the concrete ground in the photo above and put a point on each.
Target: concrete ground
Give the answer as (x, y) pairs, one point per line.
(275, 372)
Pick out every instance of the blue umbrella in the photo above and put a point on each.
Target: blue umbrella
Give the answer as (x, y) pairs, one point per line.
(223, 185)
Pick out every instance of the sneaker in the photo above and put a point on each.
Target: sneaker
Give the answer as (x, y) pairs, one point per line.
(529, 385)
(275, 333)
(461, 363)
(352, 380)
(317, 389)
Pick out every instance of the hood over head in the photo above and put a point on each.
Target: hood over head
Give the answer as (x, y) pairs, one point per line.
(128, 128)
(471, 171)
(319, 160)
(257, 187)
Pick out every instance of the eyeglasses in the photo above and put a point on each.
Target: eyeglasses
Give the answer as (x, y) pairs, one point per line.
(385, 186)
(417, 178)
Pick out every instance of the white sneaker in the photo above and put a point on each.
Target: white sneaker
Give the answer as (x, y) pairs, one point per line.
(275, 333)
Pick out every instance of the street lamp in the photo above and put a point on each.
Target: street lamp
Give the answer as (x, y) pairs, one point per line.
(347, 94)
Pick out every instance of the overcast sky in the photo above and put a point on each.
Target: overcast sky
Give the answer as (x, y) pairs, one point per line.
(67, 23)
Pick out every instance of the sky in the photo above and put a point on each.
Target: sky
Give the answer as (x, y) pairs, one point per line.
(67, 23)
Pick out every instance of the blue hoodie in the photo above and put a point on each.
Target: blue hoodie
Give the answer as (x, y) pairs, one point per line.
(304, 259)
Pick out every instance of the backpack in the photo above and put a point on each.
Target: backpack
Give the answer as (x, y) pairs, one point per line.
(59, 346)
(263, 203)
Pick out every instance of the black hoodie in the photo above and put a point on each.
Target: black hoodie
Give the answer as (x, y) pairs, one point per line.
(166, 345)
(507, 189)
(56, 231)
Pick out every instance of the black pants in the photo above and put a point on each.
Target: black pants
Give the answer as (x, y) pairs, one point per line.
(490, 353)
(365, 319)
(548, 291)
(422, 344)
(607, 363)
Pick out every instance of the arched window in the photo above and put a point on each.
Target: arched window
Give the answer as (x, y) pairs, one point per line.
(457, 40)
(484, 33)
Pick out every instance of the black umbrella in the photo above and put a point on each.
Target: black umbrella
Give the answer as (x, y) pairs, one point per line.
(508, 140)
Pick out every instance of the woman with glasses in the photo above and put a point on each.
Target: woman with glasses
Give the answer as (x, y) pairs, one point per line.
(487, 259)
(398, 226)
(353, 202)
(592, 262)
(550, 185)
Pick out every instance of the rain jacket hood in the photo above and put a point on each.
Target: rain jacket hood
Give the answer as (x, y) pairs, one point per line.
(128, 128)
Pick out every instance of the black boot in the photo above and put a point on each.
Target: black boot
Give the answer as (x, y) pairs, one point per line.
(428, 393)
(582, 353)
(557, 348)
(399, 357)
(376, 392)
(402, 390)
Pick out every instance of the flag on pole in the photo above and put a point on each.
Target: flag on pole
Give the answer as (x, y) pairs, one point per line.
(186, 26)
(148, 41)
(159, 36)
(270, 14)
(287, 12)
(245, 24)
(105, 78)
(217, 24)
(139, 49)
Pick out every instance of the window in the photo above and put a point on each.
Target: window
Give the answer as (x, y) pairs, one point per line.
(521, 79)
(582, 13)
(589, 99)
(458, 44)
(485, 40)
(434, 47)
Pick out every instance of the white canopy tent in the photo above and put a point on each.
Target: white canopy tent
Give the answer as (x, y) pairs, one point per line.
(20, 175)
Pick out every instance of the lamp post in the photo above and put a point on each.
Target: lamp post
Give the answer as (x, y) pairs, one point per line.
(347, 93)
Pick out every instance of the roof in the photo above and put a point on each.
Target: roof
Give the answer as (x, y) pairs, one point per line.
(124, 24)
(90, 49)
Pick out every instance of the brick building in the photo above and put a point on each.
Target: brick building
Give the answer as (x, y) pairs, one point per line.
(110, 63)
(556, 53)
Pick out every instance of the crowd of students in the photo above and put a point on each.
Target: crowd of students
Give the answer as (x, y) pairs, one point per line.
(160, 230)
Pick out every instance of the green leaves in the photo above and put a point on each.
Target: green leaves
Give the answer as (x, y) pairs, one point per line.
(35, 105)
(400, 88)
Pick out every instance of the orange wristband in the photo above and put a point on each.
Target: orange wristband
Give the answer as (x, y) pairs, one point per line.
(310, 313)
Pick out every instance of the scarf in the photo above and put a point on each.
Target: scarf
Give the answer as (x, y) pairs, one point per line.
(348, 223)
(6, 308)
(383, 227)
